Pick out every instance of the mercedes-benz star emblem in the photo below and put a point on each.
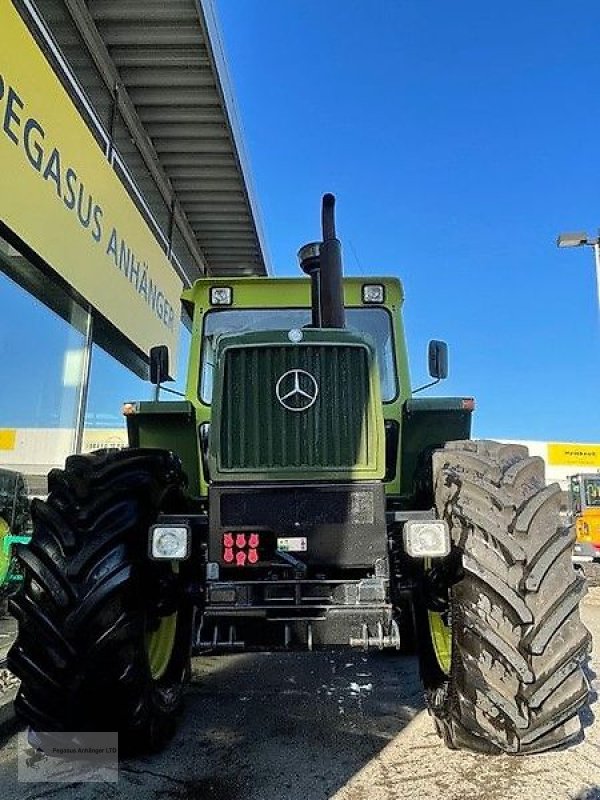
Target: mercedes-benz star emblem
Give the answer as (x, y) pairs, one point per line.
(297, 390)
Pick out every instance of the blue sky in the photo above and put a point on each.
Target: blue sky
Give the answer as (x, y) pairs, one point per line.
(459, 138)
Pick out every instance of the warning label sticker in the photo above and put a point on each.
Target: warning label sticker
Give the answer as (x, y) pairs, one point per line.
(294, 544)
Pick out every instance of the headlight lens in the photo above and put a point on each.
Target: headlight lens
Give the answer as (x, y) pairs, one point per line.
(373, 293)
(428, 539)
(170, 542)
(221, 296)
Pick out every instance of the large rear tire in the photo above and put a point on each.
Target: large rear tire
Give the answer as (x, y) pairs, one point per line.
(95, 650)
(502, 664)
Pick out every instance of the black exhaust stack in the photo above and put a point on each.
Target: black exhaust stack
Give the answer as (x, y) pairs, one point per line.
(333, 314)
(323, 263)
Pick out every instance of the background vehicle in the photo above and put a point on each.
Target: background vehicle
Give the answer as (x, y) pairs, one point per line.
(301, 497)
(584, 502)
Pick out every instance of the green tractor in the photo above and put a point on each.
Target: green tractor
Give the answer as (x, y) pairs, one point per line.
(302, 497)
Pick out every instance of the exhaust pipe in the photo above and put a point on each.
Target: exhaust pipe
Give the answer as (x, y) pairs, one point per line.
(322, 262)
(333, 314)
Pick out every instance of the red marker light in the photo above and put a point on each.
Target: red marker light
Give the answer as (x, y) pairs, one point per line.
(228, 555)
(227, 540)
(253, 540)
(240, 558)
(240, 540)
(252, 556)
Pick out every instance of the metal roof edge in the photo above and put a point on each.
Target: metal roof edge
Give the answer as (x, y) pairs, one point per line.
(215, 48)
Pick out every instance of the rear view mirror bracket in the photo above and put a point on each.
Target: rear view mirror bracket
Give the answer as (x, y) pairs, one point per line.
(159, 367)
(437, 357)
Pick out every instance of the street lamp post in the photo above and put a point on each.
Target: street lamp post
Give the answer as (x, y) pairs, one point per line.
(581, 239)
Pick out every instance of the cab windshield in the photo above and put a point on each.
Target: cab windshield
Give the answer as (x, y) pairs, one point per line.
(375, 322)
(591, 492)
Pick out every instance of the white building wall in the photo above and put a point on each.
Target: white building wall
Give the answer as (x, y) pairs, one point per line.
(575, 458)
(38, 450)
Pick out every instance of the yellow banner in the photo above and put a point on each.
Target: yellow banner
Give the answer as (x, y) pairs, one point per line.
(577, 455)
(101, 438)
(60, 195)
(8, 438)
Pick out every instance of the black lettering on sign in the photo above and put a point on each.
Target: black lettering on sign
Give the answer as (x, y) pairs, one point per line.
(52, 170)
(34, 142)
(33, 148)
(143, 287)
(10, 115)
(125, 257)
(69, 198)
(97, 232)
(112, 246)
(84, 218)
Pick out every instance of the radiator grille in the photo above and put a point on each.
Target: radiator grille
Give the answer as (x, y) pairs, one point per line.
(257, 433)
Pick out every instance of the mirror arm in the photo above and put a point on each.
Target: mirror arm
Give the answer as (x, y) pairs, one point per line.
(426, 386)
(172, 391)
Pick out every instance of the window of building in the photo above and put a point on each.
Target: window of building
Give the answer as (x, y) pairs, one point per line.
(42, 354)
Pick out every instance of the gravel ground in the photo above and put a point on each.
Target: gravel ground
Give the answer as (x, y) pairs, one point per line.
(343, 726)
(7, 633)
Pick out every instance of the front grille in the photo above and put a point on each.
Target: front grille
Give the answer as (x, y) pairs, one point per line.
(257, 433)
(283, 510)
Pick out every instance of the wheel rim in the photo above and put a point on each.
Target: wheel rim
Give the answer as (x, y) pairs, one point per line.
(441, 639)
(160, 644)
(4, 551)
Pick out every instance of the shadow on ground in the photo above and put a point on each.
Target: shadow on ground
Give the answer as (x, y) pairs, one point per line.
(266, 726)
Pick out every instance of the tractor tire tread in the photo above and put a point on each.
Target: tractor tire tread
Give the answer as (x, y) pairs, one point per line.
(517, 681)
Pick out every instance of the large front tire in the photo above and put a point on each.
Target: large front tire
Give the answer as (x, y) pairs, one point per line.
(95, 649)
(512, 678)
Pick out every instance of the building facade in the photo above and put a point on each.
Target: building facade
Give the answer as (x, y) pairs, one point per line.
(123, 178)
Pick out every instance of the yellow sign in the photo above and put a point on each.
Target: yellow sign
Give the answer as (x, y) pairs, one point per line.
(102, 438)
(61, 196)
(577, 455)
(8, 438)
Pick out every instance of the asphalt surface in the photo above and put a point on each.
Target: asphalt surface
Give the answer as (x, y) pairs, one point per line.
(343, 726)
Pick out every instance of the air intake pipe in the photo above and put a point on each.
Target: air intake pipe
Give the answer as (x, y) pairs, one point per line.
(322, 261)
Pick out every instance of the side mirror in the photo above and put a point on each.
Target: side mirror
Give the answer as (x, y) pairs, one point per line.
(438, 359)
(159, 364)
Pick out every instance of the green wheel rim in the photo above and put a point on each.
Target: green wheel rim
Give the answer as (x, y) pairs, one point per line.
(441, 639)
(160, 644)
(4, 550)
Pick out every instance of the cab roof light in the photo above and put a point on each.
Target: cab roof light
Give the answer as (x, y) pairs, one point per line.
(221, 296)
(468, 403)
(373, 293)
(129, 409)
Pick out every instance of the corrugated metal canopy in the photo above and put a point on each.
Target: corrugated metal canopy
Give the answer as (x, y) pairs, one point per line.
(165, 58)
